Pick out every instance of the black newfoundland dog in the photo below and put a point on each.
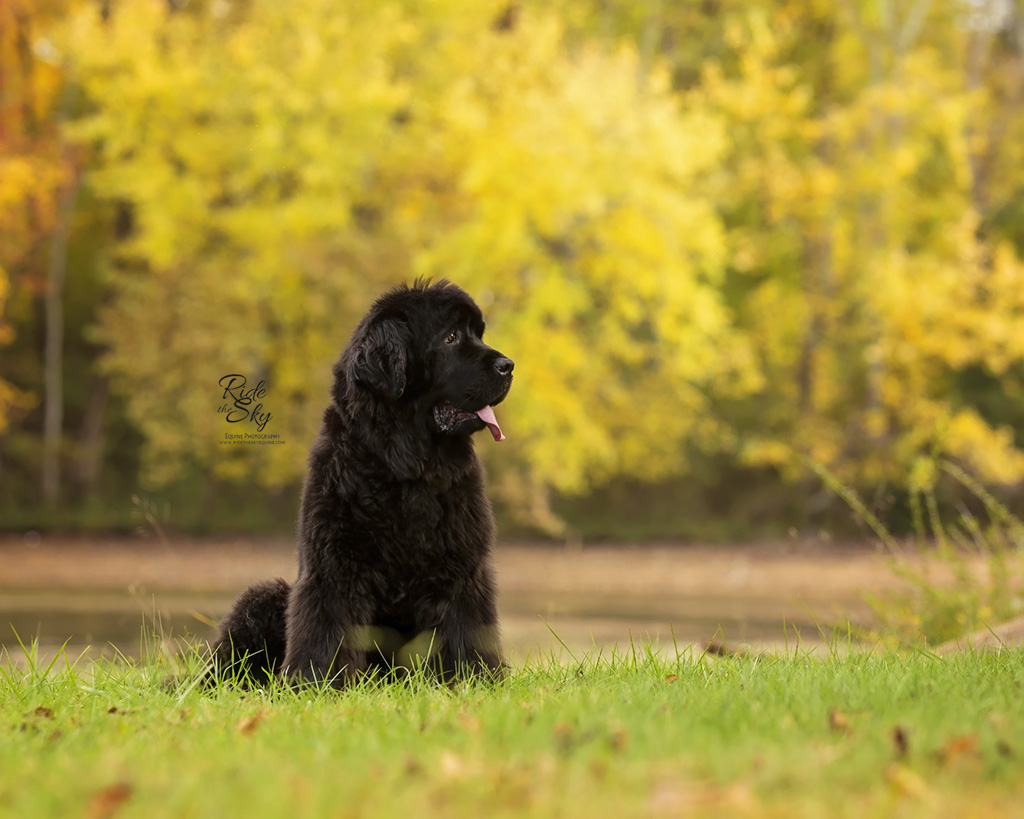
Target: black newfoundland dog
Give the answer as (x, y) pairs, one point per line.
(395, 530)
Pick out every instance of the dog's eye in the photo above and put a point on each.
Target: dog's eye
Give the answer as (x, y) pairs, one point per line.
(452, 337)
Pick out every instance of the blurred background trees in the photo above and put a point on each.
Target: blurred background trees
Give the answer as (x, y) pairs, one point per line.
(722, 241)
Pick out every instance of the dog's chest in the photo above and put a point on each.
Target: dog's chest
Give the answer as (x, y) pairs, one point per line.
(431, 525)
(434, 544)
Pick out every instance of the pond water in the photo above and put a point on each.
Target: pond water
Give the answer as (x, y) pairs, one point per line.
(533, 624)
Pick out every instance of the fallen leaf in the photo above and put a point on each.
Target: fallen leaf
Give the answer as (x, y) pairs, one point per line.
(106, 802)
(565, 737)
(962, 744)
(900, 741)
(997, 719)
(957, 747)
(906, 782)
(249, 724)
(470, 723)
(33, 718)
(619, 738)
(452, 765)
(837, 721)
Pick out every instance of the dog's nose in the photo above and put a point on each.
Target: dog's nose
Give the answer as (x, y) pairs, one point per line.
(504, 366)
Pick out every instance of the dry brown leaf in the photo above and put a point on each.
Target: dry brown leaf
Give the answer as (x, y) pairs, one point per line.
(107, 801)
(599, 769)
(837, 721)
(959, 746)
(470, 723)
(619, 738)
(249, 724)
(900, 741)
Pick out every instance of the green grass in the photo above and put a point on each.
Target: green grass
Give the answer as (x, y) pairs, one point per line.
(850, 734)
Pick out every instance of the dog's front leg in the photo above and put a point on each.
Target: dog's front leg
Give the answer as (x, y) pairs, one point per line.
(323, 640)
(467, 637)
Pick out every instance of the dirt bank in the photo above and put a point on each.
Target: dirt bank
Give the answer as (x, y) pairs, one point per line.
(812, 571)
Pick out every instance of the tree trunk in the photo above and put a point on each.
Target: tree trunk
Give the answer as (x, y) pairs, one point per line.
(53, 362)
(91, 443)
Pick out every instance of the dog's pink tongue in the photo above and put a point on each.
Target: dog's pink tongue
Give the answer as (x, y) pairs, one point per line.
(487, 416)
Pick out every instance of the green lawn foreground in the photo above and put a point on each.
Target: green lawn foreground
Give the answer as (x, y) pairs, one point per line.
(858, 734)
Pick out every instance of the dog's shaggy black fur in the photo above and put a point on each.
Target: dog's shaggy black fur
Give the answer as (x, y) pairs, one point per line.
(395, 531)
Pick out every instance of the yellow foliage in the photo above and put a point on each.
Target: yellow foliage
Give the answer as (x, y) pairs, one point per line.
(777, 253)
(283, 168)
(853, 215)
(10, 397)
(32, 169)
(579, 216)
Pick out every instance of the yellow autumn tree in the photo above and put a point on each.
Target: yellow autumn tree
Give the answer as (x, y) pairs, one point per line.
(32, 168)
(587, 224)
(239, 152)
(279, 166)
(854, 229)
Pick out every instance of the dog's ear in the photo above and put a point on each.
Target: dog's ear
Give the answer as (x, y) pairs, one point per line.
(380, 358)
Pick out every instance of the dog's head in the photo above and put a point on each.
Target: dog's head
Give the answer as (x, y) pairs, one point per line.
(422, 347)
